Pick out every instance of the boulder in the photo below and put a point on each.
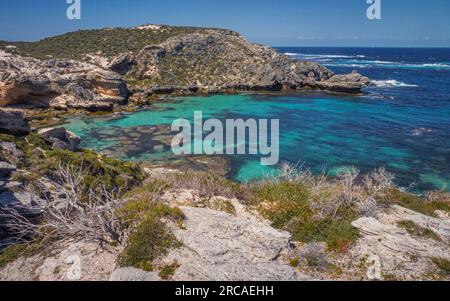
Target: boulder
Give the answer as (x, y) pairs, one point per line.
(13, 122)
(347, 83)
(121, 64)
(11, 150)
(61, 138)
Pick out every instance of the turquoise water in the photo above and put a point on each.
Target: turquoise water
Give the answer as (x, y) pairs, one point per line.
(319, 130)
(402, 123)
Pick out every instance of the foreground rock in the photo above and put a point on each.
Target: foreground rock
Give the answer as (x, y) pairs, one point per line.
(403, 255)
(79, 261)
(218, 246)
(13, 122)
(132, 274)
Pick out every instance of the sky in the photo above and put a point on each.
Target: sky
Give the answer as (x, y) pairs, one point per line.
(404, 23)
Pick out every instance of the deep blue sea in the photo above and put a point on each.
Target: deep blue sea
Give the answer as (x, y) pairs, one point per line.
(401, 123)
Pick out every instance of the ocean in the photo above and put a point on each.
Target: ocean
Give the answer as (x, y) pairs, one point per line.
(401, 123)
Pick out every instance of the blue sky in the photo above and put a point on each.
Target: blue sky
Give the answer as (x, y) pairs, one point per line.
(274, 22)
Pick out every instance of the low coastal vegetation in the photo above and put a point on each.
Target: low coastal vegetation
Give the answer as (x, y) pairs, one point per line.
(443, 264)
(40, 159)
(118, 206)
(322, 209)
(417, 230)
(108, 42)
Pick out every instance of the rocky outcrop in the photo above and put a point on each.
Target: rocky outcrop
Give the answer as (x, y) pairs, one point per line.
(79, 261)
(132, 274)
(401, 254)
(347, 83)
(61, 138)
(58, 84)
(219, 246)
(218, 61)
(13, 122)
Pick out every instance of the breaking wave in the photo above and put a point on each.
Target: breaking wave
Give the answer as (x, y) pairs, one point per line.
(391, 83)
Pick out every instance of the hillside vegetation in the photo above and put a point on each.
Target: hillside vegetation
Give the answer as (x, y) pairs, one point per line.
(108, 42)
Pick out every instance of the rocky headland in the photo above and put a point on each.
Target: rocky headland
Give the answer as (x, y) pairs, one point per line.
(97, 69)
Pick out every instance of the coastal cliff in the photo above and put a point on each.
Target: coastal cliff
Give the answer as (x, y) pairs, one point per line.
(96, 69)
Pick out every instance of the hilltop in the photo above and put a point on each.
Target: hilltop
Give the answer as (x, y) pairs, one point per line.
(110, 42)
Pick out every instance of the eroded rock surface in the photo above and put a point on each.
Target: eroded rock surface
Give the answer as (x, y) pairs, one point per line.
(59, 84)
(80, 261)
(13, 122)
(223, 247)
(404, 255)
(61, 138)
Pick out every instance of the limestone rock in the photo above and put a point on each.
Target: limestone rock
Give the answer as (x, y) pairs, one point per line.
(13, 122)
(57, 83)
(11, 152)
(402, 254)
(132, 274)
(223, 247)
(62, 138)
(348, 83)
(77, 261)
(122, 64)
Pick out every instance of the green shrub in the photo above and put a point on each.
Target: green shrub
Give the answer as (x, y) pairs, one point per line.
(443, 264)
(288, 206)
(283, 202)
(414, 229)
(417, 203)
(208, 185)
(168, 271)
(14, 252)
(151, 239)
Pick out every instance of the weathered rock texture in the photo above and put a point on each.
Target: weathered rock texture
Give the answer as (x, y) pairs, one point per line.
(13, 122)
(219, 246)
(59, 84)
(79, 261)
(404, 255)
(61, 138)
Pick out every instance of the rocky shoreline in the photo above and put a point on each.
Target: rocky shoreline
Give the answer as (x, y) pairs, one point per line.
(191, 62)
